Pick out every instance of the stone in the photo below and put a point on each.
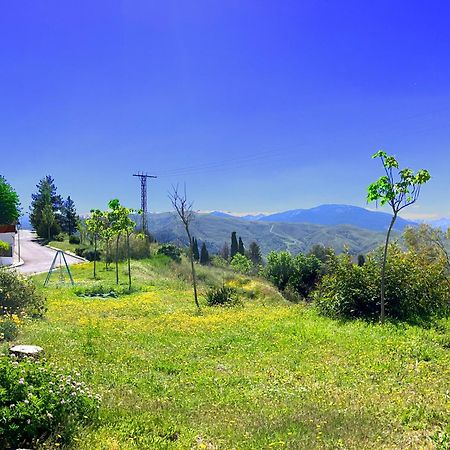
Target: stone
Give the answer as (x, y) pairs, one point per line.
(22, 351)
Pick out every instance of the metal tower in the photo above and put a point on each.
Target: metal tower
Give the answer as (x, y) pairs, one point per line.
(143, 177)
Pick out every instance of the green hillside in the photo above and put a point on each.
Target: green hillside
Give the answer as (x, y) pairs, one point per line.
(268, 374)
(295, 237)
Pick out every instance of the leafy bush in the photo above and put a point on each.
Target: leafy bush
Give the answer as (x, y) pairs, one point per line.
(170, 250)
(38, 402)
(91, 255)
(5, 249)
(218, 261)
(222, 296)
(59, 237)
(297, 276)
(415, 291)
(9, 327)
(18, 295)
(80, 251)
(74, 239)
(241, 264)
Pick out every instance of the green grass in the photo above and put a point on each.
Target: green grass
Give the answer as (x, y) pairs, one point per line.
(64, 245)
(267, 375)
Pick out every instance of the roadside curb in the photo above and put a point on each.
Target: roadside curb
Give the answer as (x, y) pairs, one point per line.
(73, 255)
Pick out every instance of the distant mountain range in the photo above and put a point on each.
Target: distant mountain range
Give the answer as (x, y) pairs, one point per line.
(215, 230)
(330, 215)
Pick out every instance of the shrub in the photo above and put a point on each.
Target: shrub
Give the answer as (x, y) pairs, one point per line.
(297, 276)
(415, 292)
(170, 250)
(80, 251)
(5, 249)
(222, 296)
(91, 255)
(241, 264)
(218, 261)
(9, 327)
(18, 295)
(38, 401)
(59, 237)
(74, 239)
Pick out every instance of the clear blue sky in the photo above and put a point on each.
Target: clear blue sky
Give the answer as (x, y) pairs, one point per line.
(271, 105)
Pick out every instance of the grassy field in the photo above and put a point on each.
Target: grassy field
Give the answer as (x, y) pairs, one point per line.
(269, 374)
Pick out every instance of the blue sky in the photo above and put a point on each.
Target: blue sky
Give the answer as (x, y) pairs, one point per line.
(256, 105)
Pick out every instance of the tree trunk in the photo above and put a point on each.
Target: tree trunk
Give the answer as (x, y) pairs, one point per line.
(129, 262)
(383, 268)
(95, 257)
(191, 257)
(117, 260)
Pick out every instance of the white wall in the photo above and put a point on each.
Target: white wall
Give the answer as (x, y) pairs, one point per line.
(10, 239)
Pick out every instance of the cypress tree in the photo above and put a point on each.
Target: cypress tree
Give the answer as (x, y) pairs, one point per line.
(225, 252)
(195, 252)
(241, 248)
(204, 255)
(234, 245)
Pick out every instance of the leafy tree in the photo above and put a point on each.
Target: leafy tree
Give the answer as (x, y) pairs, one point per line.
(361, 260)
(69, 217)
(254, 254)
(279, 269)
(241, 263)
(225, 251)
(319, 251)
(9, 203)
(399, 191)
(241, 248)
(95, 225)
(204, 255)
(46, 195)
(195, 252)
(234, 245)
(184, 210)
(428, 243)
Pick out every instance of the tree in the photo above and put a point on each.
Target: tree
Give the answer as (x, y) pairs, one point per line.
(48, 220)
(204, 255)
(114, 220)
(9, 203)
(254, 254)
(399, 191)
(195, 251)
(184, 210)
(428, 243)
(46, 195)
(361, 260)
(225, 251)
(241, 248)
(95, 225)
(69, 217)
(234, 245)
(319, 251)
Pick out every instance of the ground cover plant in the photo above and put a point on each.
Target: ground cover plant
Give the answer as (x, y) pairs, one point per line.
(269, 374)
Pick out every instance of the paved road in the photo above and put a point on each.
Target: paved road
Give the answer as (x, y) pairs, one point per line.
(37, 258)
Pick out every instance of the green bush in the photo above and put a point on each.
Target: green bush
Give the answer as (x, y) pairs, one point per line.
(18, 295)
(8, 328)
(296, 276)
(218, 261)
(5, 249)
(38, 401)
(241, 264)
(170, 250)
(222, 296)
(59, 237)
(74, 239)
(91, 255)
(415, 292)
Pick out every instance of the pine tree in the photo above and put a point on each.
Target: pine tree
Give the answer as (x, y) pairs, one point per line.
(234, 245)
(254, 254)
(195, 252)
(69, 217)
(46, 195)
(204, 255)
(241, 248)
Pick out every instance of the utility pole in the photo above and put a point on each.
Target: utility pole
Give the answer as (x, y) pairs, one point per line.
(143, 177)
